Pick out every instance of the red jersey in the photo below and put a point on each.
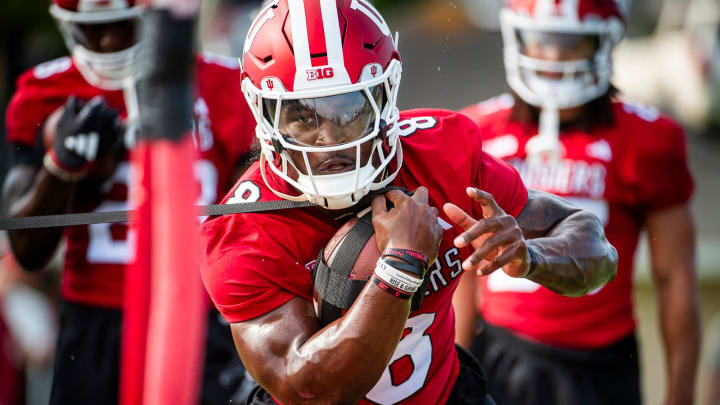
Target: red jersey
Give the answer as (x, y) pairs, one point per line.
(96, 255)
(254, 263)
(620, 172)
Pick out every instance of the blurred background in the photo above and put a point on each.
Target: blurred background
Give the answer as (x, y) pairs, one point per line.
(451, 53)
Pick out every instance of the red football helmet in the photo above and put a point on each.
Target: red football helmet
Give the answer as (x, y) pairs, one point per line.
(564, 23)
(106, 70)
(337, 62)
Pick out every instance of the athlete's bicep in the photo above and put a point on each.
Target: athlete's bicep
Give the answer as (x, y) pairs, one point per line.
(503, 181)
(265, 343)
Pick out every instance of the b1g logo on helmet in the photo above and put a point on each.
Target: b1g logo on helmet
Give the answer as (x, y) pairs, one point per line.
(320, 73)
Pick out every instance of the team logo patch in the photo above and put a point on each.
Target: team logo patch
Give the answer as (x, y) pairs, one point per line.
(320, 73)
(271, 84)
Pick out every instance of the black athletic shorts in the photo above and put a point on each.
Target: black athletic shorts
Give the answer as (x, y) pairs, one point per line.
(527, 373)
(470, 387)
(87, 358)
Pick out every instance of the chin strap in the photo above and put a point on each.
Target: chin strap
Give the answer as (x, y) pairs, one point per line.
(546, 144)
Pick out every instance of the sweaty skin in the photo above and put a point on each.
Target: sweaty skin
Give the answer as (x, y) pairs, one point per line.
(573, 256)
(291, 357)
(286, 351)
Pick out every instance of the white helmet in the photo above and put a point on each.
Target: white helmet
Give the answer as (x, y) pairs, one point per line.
(107, 70)
(337, 62)
(582, 80)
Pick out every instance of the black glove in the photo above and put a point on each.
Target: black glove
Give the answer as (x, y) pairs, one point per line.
(84, 133)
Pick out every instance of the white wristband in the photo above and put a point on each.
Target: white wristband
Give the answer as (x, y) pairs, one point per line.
(396, 278)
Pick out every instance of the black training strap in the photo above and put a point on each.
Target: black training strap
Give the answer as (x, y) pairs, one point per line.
(87, 218)
(334, 285)
(336, 290)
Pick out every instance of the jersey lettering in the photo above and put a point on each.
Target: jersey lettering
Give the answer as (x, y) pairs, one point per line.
(47, 69)
(415, 351)
(647, 113)
(202, 135)
(246, 192)
(409, 126)
(438, 280)
(565, 177)
(103, 247)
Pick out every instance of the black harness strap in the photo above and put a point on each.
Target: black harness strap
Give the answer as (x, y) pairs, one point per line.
(332, 283)
(87, 218)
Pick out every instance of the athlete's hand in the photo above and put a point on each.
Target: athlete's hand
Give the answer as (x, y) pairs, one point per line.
(412, 224)
(496, 238)
(85, 133)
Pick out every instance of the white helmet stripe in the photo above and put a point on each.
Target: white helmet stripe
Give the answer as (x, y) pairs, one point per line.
(331, 26)
(371, 13)
(267, 13)
(570, 9)
(544, 8)
(301, 47)
(308, 76)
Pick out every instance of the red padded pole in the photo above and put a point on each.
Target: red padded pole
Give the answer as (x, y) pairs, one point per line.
(176, 322)
(137, 284)
(177, 326)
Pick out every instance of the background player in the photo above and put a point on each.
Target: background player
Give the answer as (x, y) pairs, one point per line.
(66, 126)
(566, 133)
(323, 90)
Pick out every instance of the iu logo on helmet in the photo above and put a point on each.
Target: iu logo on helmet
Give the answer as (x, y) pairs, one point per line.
(320, 73)
(270, 84)
(373, 70)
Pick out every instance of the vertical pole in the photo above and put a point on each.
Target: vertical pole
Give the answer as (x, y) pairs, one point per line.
(136, 304)
(176, 323)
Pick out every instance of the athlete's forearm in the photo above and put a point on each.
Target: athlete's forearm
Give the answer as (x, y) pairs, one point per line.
(679, 317)
(30, 192)
(464, 300)
(572, 255)
(343, 361)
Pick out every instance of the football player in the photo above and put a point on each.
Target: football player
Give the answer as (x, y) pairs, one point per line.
(567, 133)
(66, 124)
(322, 79)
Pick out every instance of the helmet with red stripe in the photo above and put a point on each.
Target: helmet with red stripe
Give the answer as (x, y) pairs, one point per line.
(322, 77)
(77, 20)
(561, 23)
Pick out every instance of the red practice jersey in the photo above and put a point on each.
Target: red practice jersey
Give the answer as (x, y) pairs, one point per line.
(619, 172)
(254, 263)
(97, 254)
